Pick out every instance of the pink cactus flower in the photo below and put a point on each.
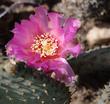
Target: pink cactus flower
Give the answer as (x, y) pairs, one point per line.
(43, 41)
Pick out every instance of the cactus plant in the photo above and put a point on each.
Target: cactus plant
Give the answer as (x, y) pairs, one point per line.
(92, 67)
(29, 86)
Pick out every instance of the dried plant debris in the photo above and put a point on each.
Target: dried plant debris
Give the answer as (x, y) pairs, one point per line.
(84, 8)
(104, 97)
(76, 8)
(7, 65)
(84, 96)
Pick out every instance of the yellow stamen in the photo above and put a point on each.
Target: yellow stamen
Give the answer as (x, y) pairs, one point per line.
(45, 45)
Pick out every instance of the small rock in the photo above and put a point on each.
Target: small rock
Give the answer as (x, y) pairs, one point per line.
(9, 67)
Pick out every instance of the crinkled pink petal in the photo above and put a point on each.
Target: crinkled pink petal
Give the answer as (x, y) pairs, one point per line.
(16, 52)
(41, 18)
(33, 59)
(63, 71)
(22, 54)
(55, 20)
(21, 35)
(73, 50)
(70, 28)
(58, 34)
(31, 27)
(40, 64)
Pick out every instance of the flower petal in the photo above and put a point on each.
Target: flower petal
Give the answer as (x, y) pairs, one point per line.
(63, 71)
(14, 51)
(58, 34)
(41, 18)
(22, 53)
(74, 50)
(31, 27)
(70, 28)
(20, 31)
(55, 20)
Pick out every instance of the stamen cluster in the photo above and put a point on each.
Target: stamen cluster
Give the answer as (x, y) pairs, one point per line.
(45, 45)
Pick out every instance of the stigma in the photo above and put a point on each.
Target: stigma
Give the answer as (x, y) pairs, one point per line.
(45, 45)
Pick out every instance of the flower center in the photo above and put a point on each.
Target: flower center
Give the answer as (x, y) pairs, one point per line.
(45, 45)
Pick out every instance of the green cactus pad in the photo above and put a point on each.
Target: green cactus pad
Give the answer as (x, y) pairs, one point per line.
(29, 86)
